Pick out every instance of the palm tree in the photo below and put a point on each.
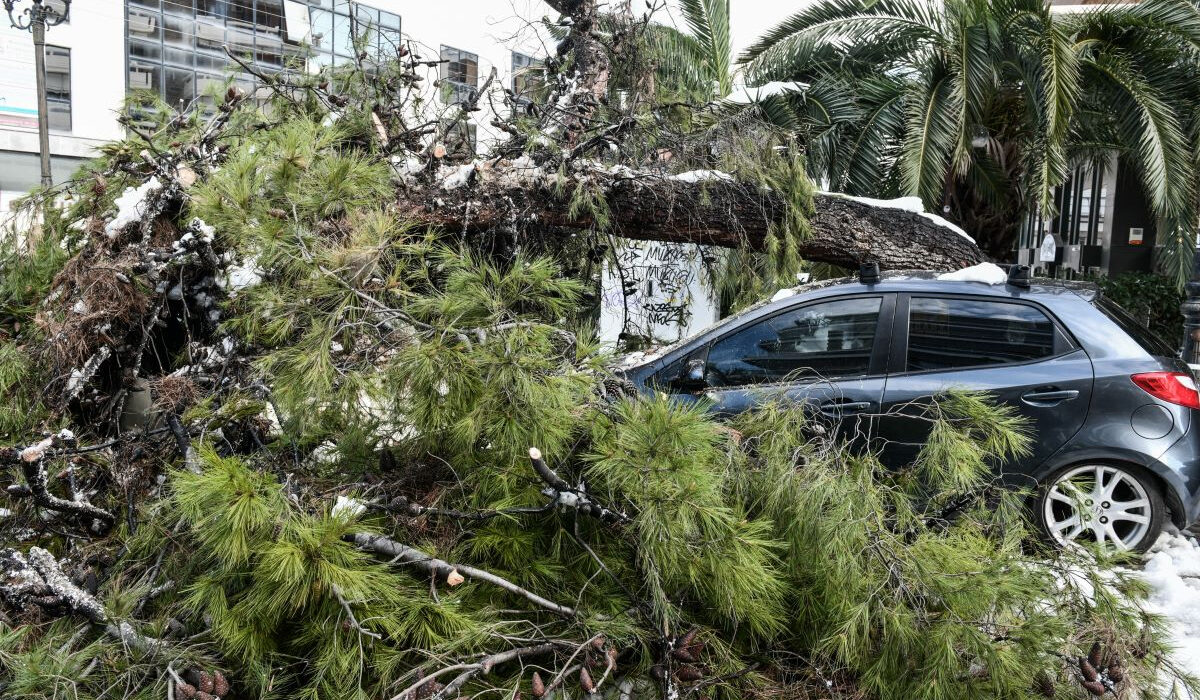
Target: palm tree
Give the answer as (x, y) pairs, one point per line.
(698, 62)
(982, 108)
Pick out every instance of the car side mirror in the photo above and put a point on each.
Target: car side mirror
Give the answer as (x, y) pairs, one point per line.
(694, 371)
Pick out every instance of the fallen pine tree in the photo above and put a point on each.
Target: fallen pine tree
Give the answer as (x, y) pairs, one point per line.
(300, 403)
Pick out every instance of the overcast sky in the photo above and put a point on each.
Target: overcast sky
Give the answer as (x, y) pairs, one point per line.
(750, 19)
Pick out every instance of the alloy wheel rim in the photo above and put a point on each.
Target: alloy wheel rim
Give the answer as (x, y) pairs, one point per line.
(1097, 503)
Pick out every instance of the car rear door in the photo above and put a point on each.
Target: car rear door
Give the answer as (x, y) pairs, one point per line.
(1014, 349)
(830, 354)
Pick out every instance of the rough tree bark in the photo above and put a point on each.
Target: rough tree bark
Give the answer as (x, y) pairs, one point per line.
(713, 212)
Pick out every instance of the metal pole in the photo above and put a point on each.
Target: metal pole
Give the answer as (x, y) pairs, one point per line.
(1191, 315)
(37, 17)
(39, 60)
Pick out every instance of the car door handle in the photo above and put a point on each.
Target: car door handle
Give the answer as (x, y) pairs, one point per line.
(836, 408)
(1049, 397)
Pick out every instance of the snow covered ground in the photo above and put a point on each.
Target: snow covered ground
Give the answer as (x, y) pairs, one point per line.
(1173, 571)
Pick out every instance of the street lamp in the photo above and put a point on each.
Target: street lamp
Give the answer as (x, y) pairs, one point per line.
(36, 18)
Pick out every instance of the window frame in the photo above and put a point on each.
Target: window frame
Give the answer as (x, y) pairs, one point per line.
(69, 101)
(456, 91)
(879, 351)
(1064, 342)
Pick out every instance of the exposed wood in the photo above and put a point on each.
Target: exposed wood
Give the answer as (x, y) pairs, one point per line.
(716, 212)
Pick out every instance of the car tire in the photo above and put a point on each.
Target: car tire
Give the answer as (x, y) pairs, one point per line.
(1117, 505)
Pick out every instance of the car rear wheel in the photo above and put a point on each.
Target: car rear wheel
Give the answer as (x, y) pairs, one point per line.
(1113, 505)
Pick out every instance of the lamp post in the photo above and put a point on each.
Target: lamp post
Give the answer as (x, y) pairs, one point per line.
(36, 18)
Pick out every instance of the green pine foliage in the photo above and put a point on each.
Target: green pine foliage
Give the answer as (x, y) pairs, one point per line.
(277, 585)
(919, 593)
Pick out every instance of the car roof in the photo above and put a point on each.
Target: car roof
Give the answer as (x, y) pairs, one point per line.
(927, 281)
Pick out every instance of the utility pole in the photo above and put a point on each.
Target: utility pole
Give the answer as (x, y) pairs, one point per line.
(36, 18)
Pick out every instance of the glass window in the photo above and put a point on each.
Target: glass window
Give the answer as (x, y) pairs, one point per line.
(179, 87)
(830, 340)
(213, 8)
(1140, 332)
(322, 29)
(269, 16)
(342, 43)
(58, 87)
(143, 24)
(178, 31)
(526, 75)
(459, 72)
(210, 35)
(240, 13)
(178, 7)
(952, 333)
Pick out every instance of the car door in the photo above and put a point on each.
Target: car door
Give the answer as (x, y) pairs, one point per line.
(1013, 349)
(829, 354)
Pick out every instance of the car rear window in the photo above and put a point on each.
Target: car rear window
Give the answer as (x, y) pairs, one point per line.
(1142, 335)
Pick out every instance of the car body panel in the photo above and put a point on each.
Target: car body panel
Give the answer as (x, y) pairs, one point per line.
(1096, 424)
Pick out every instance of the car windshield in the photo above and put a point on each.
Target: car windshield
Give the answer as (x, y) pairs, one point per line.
(1144, 337)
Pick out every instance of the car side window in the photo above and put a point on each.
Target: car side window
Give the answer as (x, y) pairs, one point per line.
(946, 333)
(825, 340)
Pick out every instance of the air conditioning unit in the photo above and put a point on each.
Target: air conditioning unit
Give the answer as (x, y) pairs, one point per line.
(210, 32)
(58, 63)
(140, 79)
(142, 24)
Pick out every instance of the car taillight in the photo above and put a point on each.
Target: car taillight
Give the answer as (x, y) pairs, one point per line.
(1172, 387)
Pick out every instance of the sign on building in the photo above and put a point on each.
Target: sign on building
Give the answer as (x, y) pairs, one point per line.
(18, 87)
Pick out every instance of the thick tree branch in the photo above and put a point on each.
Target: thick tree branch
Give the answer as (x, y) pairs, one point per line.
(32, 461)
(38, 579)
(721, 213)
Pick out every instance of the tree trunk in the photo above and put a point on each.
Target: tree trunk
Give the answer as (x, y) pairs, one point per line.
(714, 212)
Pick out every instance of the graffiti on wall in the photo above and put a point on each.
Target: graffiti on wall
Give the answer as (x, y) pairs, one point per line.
(656, 291)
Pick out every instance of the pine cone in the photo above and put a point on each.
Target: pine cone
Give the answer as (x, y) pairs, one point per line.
(1043, 684)
(1088, 670)
(1094, 687)
(687, 639)
(585, 681)
(689, 674)
(683, 655)
(206, 682)
(187, 691)
(205, 696)
(1094, 655)
(220, 684)
(539, 687)
(1116, 673)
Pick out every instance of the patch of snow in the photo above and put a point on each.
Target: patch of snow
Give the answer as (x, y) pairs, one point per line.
(242, 275)
(459, 176)
(131, 205)
(348, 508)
(783, 294)
(702, 176)
(176, 292)
(1173, 572)
(80, 307)
(913, 204)
(748, 95)
(985, 272)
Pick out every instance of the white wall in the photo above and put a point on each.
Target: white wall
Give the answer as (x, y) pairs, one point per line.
(96, 37)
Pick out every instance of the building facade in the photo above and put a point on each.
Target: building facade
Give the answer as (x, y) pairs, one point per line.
(175, 51)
